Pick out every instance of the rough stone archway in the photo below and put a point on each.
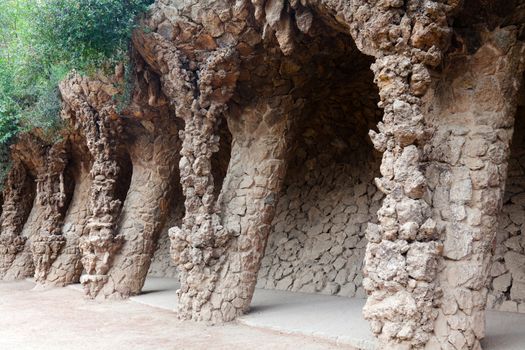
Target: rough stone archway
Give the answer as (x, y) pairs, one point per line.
(317, 241)
(201, 61)
(264, 71)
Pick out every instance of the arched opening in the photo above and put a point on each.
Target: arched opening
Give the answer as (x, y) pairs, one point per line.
(162, 265)
(318, 239)
(125, 174)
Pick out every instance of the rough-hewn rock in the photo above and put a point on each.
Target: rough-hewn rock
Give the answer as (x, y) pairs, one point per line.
(506, 274)
(89, 106)
(473, 111)
(271, 102)
(27, 182)
(18, 196)
(53, 193)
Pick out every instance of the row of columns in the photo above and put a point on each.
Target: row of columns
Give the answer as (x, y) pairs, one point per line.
(445, 142)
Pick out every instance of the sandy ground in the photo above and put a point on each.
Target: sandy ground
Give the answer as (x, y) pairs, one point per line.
(60, 318)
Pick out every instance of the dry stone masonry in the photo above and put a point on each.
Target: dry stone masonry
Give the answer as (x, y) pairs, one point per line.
(52, 194)
(370, 149)
(506, 288)
(90, 107)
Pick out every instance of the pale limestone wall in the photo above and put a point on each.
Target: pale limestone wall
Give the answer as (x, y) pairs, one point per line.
(507, 274)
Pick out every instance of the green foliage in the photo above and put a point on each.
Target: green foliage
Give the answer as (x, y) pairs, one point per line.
(40, 42)
(86, 34)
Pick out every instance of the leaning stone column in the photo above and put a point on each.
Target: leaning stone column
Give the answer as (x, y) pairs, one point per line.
(101, 242)
(154, 157)
(408, 40)
(102, 129)
(154, 153)
(246, 208)
(51, 194)
(67, 268)
(402, 253)
(18, 199)
(199, 246)
(472, 109)
(220, 244)
(31, 151)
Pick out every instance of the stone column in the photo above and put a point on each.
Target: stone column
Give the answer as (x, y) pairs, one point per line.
(101, 242)
(154, 154)
(18, 196)
(102, 129)
(472, 109)
(408, 40)
(402, 254)
(31, 151)
(67, 268)
(51, 194)
(246, 208)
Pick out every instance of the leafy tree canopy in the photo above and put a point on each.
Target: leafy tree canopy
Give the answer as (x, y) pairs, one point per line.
(41, 41)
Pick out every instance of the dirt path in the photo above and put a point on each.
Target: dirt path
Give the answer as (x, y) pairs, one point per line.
(60, 319)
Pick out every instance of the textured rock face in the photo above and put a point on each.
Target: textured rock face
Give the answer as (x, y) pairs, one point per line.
(249, 120)
(467, 168)
(18, 196)
(90, 108)
(506, 288)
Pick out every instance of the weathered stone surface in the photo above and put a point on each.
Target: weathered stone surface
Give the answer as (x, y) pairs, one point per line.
(89, 108)
(271, 102)
(469, 214)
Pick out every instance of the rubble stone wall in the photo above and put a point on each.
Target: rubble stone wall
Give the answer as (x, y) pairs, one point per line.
(317, 242)
(162, 264)
(507, 273)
